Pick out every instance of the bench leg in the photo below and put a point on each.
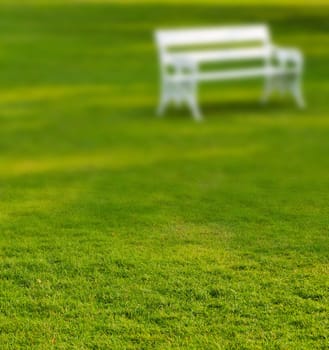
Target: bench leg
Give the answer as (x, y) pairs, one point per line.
(162, 106)
(191, 97)
(296, 90)
(164, 99)
(172, 93)
(283, 84)
(267, 89)
(180, 93)
(196, 113)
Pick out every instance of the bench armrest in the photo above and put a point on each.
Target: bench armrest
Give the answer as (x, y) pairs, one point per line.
(285, 56)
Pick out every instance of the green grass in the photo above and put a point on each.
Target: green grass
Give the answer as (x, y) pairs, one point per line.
(122, 231)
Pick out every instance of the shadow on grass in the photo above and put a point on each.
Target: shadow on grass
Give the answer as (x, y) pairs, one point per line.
(248, 108)
(223, 110)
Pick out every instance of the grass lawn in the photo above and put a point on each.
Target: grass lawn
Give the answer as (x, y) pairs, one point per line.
(119, 230)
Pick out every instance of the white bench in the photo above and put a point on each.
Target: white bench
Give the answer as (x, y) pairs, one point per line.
(183, 52)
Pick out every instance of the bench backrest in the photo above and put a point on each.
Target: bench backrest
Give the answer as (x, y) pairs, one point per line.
(249, 36)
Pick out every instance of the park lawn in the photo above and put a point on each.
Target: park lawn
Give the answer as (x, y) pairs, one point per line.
(119, 230)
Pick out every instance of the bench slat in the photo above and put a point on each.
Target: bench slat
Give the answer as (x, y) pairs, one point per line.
(219, 55)
(229, 34)
(234, 74)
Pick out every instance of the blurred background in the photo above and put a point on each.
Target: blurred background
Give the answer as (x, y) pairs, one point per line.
(81, 77)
